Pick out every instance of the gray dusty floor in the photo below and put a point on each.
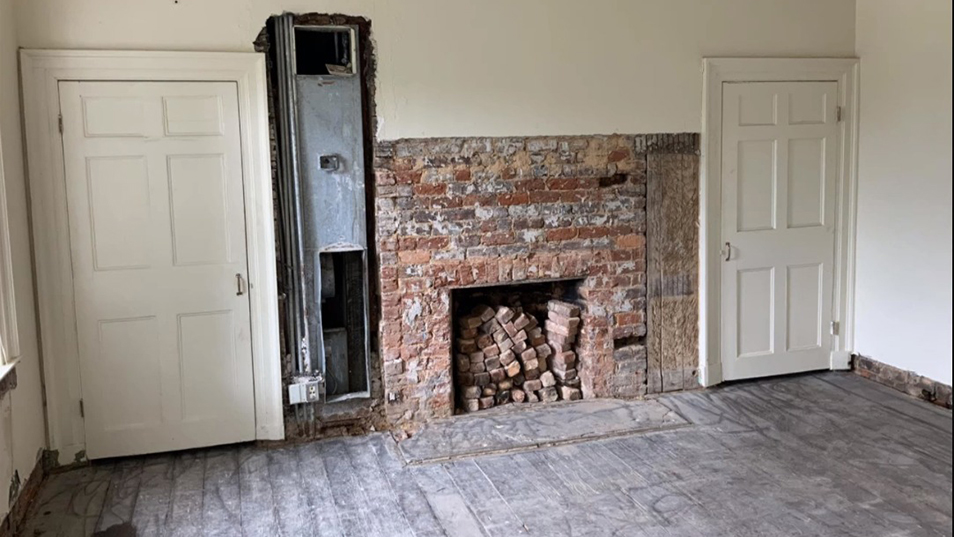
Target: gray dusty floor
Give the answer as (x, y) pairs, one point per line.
(827, 454)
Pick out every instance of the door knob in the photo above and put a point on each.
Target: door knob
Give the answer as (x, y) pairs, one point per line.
(728, 251)
(239, 284)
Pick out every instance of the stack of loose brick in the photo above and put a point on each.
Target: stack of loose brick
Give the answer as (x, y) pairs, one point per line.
(502, 358)
(561, 328)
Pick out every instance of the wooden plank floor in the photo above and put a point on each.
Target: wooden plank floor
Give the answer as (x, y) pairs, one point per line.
(816, 455)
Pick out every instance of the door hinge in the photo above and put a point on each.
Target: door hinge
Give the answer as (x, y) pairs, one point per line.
(59, 122)
(82, 409)
(834, 328)
(839, 114)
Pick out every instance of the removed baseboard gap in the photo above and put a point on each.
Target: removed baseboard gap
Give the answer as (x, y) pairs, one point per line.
(907, 382)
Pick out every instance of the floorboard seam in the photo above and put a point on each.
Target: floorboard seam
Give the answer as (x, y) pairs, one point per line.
(540, 445)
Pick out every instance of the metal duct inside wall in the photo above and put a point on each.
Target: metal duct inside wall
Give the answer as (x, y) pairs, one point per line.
(321, 187)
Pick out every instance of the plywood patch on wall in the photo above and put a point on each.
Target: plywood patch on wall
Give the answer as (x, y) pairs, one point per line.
(672, 233)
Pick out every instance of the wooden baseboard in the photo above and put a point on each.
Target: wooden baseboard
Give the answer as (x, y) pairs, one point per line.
(21, 506)
(908, 382)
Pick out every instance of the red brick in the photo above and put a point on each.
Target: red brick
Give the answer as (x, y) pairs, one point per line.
(618, 155)
(594, 232)
(390, 299)
(528, 223)
(485, 200)
(488, 226)
(623, 254)
(562, 234)
(569, 394)
(530, 185)
(624, 280)
(391, 340)
(403, 165)
(626, 318)
(465, 275)
(409, 352)
(576, 196)
(384, 178)
(411, 286)
(622, 230)
(433, 243)
(496, 239)
(415, 257)
(518, 198)
(430, 189)
(564, 184)
(544, 196)
(630, 241)
(532, 385)
(485, 273)
(445, 202)
(408, 177)
(462, 176)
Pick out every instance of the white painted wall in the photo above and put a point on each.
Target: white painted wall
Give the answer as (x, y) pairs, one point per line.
(493, 67)
(903, 304)
(22, 425)
(445, 68)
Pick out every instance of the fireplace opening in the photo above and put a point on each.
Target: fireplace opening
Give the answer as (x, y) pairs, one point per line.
(516, 344)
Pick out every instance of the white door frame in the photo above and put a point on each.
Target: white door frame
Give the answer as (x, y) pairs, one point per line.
(717, 71)
(41, 72)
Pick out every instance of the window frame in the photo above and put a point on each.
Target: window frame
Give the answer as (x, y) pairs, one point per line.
(9, 337)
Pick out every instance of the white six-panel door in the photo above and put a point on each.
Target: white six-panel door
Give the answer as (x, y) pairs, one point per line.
(779, 174)
(157, 232)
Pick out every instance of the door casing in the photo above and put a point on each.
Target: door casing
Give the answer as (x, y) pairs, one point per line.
(716, 72)
(42, 70)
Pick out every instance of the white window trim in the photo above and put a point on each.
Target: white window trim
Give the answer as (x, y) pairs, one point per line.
(41, 72)
(844, 71)
(9, 337)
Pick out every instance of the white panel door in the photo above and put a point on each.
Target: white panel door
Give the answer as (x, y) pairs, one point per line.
(157, 233)
(780, 143)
